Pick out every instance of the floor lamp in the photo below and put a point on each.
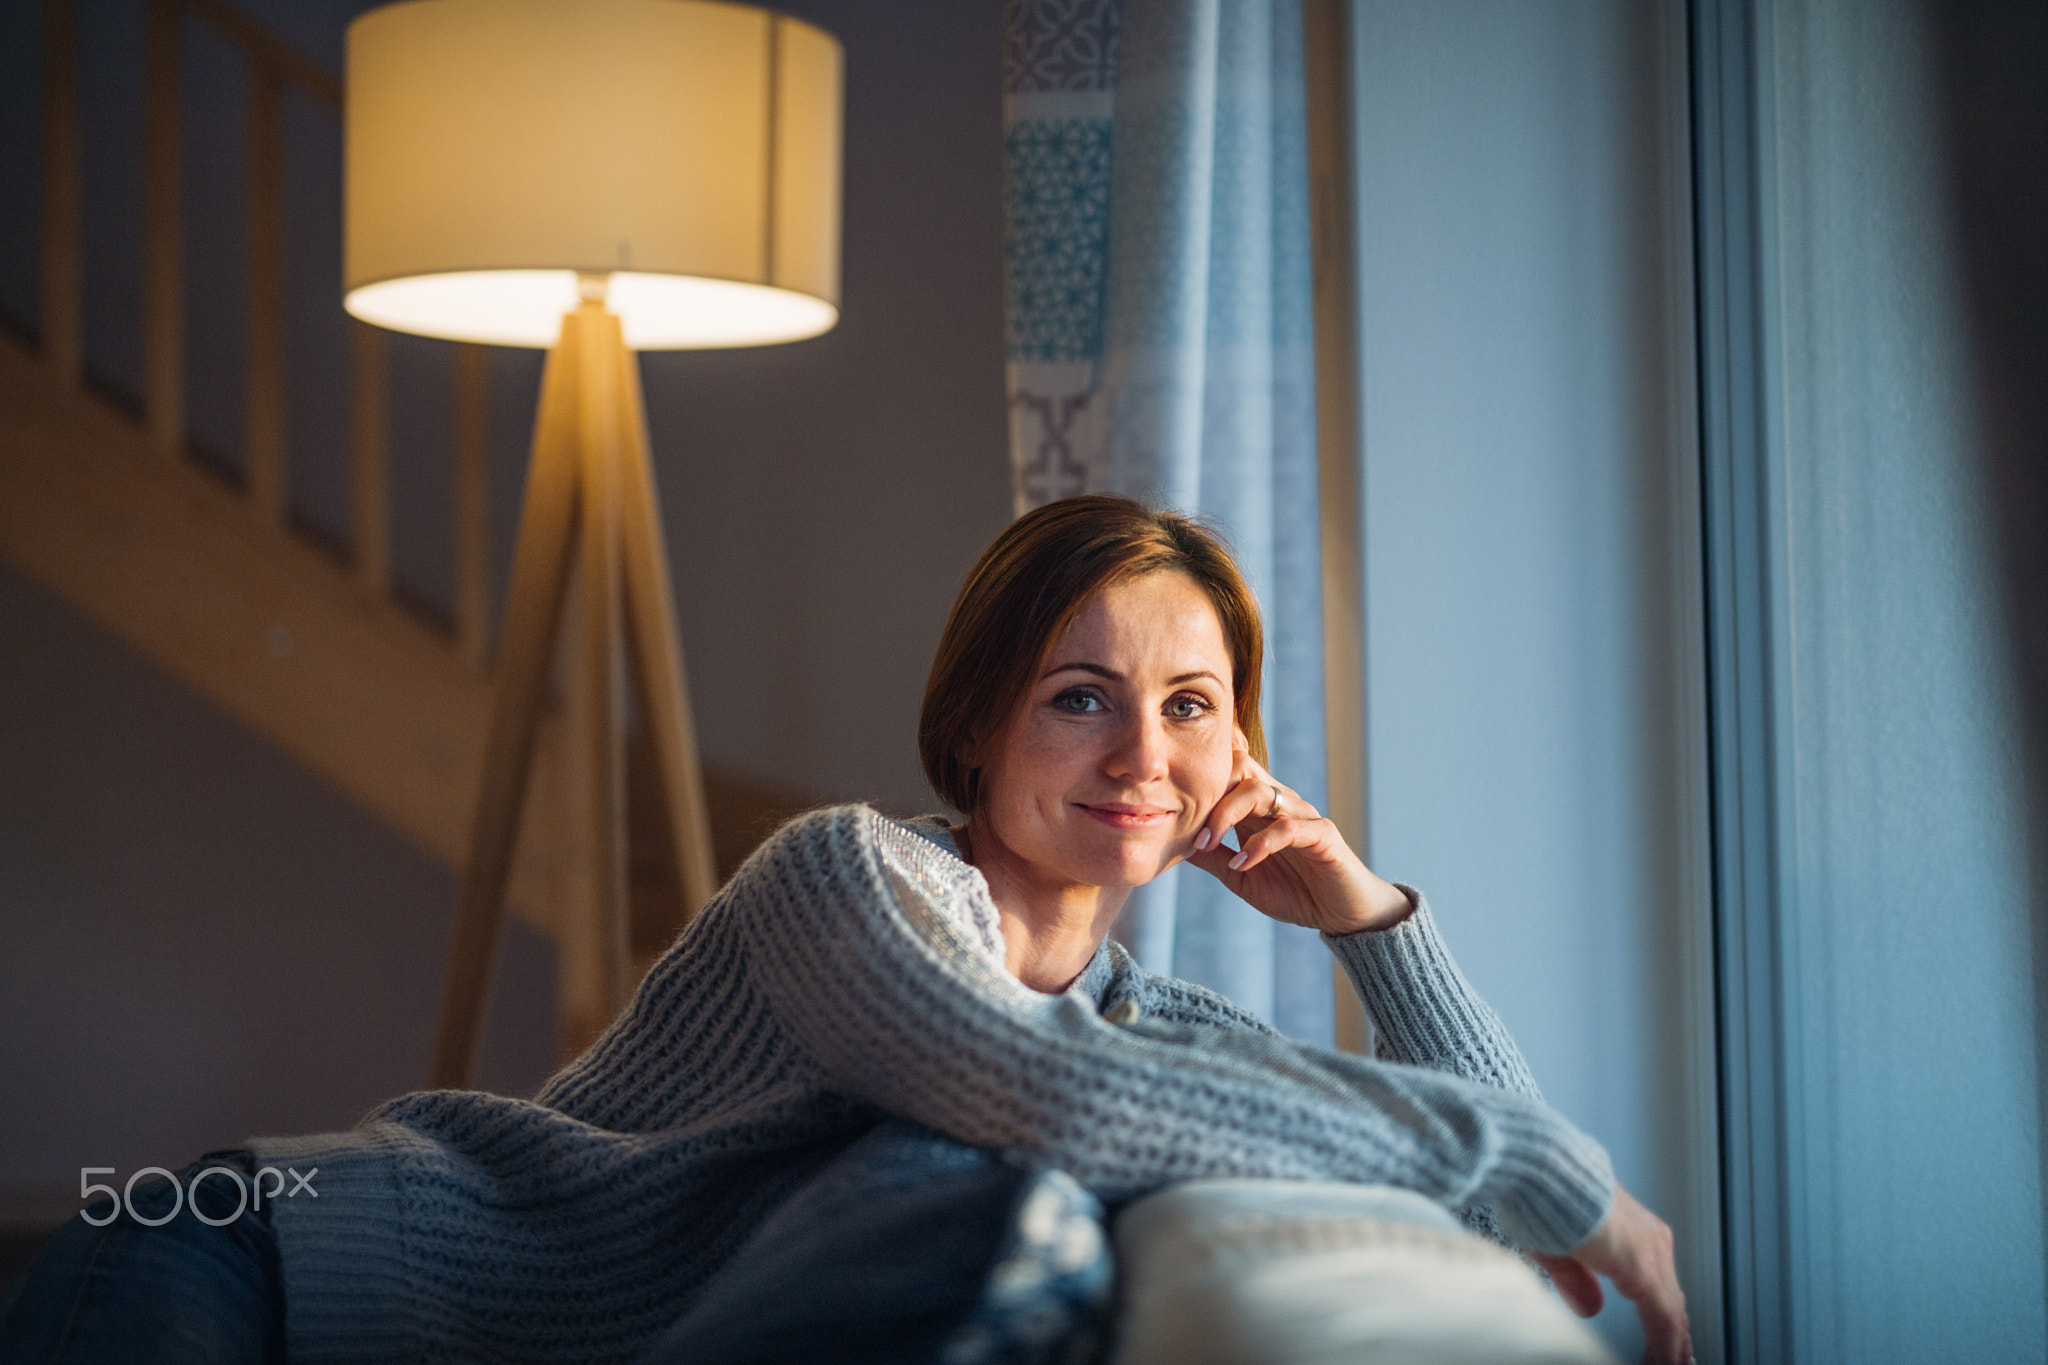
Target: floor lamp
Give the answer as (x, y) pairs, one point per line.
(596, 177)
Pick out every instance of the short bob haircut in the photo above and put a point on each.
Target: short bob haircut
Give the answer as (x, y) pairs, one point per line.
(1030, 583)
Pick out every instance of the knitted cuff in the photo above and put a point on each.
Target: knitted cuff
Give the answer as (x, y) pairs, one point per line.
(339, 1238)
(1552, 1185)
(1422, 1008)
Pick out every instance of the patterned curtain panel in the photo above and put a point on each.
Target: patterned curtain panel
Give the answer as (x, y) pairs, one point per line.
(1160, 346)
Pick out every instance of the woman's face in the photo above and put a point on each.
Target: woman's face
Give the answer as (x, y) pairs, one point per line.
(1121, 743)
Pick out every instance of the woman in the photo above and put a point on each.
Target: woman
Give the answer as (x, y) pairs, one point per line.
(828, 1055)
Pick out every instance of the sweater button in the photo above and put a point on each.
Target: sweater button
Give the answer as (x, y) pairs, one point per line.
(1123, 1012)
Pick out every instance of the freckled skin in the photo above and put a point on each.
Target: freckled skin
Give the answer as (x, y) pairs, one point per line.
(1104, 780)
(1096, 783)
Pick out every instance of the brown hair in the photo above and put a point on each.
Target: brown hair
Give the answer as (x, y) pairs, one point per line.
(1029, 584)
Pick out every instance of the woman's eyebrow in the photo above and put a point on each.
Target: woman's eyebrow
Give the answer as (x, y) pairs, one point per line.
(1099, 671)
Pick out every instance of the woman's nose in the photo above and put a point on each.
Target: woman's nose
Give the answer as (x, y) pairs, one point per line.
(1138, 752)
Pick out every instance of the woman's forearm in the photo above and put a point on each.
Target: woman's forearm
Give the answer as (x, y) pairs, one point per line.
(1424, 1012)
(897, 1004)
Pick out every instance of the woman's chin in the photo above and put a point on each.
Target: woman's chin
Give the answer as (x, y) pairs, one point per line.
(1133, 859)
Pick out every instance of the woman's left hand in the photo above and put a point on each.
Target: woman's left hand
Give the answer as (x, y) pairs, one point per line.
(1632, 1247)
(1291, 865)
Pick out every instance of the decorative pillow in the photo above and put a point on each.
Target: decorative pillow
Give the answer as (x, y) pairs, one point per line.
(1047, 1295)
(1233, 1272)
(908, 1247)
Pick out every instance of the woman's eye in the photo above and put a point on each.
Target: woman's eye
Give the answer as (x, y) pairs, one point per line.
(1186, 707)
(1080, 703)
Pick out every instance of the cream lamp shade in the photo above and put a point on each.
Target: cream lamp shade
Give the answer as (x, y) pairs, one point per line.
(496, 149)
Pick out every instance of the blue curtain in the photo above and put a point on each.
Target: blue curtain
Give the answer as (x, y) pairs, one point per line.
(1160, 346)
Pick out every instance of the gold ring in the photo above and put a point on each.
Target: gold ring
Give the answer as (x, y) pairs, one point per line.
(1274, 813)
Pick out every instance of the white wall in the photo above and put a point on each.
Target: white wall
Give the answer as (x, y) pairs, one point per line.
(1536, 721)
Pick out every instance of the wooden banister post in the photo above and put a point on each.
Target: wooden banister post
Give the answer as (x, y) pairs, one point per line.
(62, 238)
(265, 418)
(369, 447)
(163, 233)
(62, 265)
(472, 501)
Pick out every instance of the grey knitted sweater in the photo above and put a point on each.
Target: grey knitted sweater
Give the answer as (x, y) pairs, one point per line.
(854, 968)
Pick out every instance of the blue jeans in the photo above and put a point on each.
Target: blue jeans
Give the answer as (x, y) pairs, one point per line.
(181, 1293)
(911, 1247)
(907, 1247)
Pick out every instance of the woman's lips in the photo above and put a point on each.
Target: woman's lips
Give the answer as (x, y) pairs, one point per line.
(1118, 815)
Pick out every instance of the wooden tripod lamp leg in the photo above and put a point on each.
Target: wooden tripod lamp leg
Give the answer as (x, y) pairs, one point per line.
(657, 651)
(525, 651)
(594, 941)
(591, 488)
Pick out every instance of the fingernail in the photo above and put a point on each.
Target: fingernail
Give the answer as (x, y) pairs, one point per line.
(1203, 840)
(1238, 861)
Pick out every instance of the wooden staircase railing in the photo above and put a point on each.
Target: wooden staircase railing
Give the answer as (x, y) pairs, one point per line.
(214, 579)
(263, 622)
(401, 731)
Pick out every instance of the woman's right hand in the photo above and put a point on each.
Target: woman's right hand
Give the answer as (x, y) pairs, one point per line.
(1631, 1247)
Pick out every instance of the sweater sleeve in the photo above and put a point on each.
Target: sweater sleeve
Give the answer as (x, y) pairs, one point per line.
(1423, 1010)
(878, 954)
